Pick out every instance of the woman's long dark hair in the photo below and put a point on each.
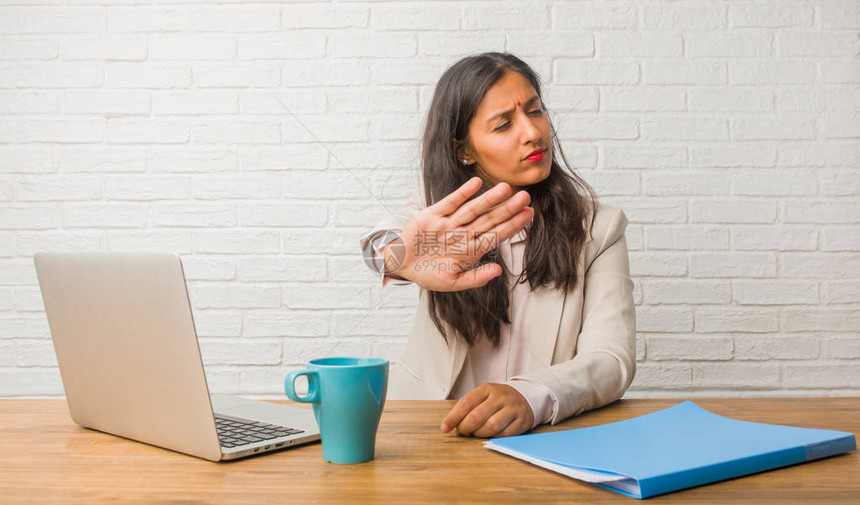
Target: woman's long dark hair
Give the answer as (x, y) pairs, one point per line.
(561, 202)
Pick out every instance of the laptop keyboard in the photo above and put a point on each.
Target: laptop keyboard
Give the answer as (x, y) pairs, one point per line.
(233, 433)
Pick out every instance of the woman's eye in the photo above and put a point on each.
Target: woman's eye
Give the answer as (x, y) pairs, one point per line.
(536, 112)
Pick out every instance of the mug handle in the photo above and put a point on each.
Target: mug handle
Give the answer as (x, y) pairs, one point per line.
(313, 395)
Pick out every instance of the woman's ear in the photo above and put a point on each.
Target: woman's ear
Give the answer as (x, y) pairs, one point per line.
(462, 152)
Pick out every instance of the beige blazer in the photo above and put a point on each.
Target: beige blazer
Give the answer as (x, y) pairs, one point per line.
(582, 342)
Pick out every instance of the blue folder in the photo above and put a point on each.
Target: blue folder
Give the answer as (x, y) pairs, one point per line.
(672, 449)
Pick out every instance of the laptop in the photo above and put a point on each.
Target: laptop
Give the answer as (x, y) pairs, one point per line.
(130, 362)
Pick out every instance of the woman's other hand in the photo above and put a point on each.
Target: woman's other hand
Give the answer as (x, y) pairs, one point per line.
(490, 410)
(438, 248)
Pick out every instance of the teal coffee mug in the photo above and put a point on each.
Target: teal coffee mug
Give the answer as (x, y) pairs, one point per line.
(347, 395)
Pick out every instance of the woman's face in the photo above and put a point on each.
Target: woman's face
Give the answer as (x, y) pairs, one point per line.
(509, 125)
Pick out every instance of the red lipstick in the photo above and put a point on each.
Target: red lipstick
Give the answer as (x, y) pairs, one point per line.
(535, 155)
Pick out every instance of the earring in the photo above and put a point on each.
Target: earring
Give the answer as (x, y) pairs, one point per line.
(465, 162)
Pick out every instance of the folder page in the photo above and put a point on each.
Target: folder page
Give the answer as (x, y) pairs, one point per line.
(672, 449)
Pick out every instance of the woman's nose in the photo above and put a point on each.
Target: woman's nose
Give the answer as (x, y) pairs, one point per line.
(530, 130)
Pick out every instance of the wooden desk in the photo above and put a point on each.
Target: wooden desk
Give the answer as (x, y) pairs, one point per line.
(48, 459)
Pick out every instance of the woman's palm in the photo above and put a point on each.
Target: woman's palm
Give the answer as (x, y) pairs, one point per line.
(439, 247)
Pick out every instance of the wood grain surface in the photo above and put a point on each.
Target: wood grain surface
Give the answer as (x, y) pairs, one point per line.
(48, 459)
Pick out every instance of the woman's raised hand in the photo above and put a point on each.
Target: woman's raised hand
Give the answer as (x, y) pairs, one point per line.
(438, 248)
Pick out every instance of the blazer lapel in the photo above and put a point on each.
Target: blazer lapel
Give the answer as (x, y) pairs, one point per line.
(546, 309)
(545, 316)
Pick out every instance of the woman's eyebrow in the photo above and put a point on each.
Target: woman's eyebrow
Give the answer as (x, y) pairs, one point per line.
(506, 112)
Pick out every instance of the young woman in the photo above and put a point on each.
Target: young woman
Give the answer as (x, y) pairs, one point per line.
(526, 304)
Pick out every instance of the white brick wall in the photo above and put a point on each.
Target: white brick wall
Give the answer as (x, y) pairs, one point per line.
(727, 130)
